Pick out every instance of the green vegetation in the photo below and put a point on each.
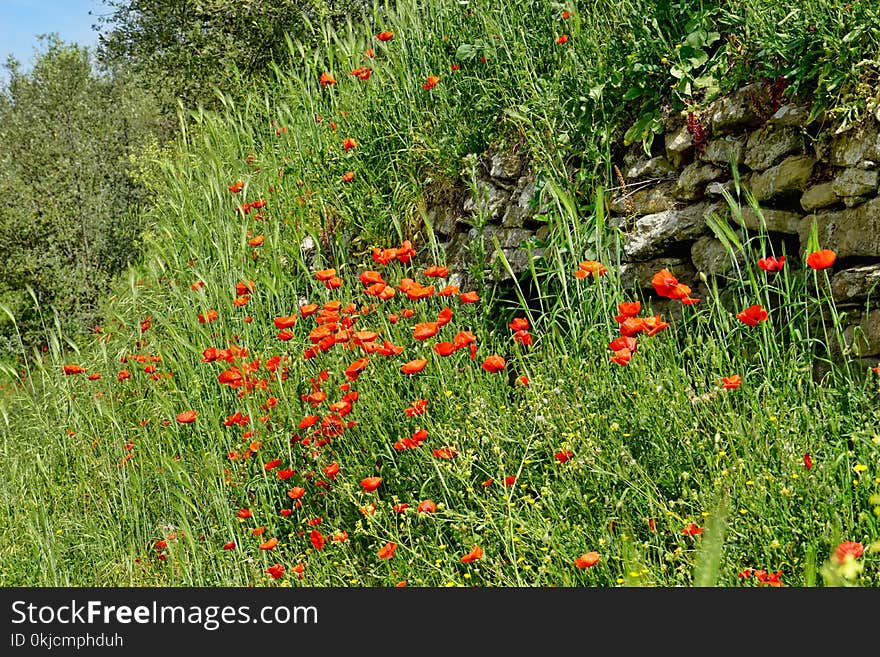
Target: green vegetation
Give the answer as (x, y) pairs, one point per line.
(110, 481)
(71, 217)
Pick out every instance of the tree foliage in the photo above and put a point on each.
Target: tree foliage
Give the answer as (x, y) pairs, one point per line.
(69, 219)
(188, 48)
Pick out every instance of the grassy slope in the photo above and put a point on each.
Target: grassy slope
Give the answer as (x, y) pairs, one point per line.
(98, 471)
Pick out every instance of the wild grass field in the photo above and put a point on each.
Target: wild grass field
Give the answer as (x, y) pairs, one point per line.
(289, 390)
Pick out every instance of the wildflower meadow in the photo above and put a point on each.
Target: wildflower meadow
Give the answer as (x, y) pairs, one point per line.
(293, 386)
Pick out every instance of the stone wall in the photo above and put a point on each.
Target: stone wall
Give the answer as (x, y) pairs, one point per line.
(797, 167)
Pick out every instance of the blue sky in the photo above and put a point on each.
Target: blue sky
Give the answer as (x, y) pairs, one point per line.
(22, 20)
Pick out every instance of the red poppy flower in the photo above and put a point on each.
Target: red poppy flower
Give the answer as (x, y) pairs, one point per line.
(326, 79)
(431, 82)
(285, 473)
(731, 382)
(587, 560)
(475, 553)
(752, 315)
(808, 461)
(510, 480)
(385, 36)
(400, 508)
(632, 326)
(522, 337)
(371, 277)
(244, 513)
(316, 538)
(771, 263)
(846, 549)
(667, 285)
(426, 506)
(469, 297)
(296, 492)
(692, 529)
(444, 452)
(285, 322)
(425, 330)
(436, 271)
(270, 544)
(391, 349)
(230, 545)
(369, 484)
(276, 571)
(331, 470)
(257, 241)
(494, 364)
(353, 371)
(123, 375)
(414, 366)
(418, 407)
(821, 259)
(236, 187)
(653, 325)
(208, 317)
(587, 268)
(768, 579)
(522, 380)
(449, 291)
(271, 465)
(621, 356)
(349, 143)
(562, 38)
(445, 348)
(519, 324)
(563, 455)
(363, 72)
(387, 550)
(186, 417)
(378, 290)
(444, 316)
(623, 342)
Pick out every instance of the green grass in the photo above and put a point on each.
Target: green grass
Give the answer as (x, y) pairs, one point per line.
(97, 472)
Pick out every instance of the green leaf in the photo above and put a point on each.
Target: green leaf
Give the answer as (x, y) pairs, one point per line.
(465, 52)
(640, 129)
(699, 58)
(632, 92)
(705, 82)
(697, 38)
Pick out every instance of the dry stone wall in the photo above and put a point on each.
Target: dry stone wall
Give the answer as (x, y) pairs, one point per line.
(797, 167)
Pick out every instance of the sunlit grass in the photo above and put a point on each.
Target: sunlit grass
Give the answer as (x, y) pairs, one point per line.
(103, 486)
